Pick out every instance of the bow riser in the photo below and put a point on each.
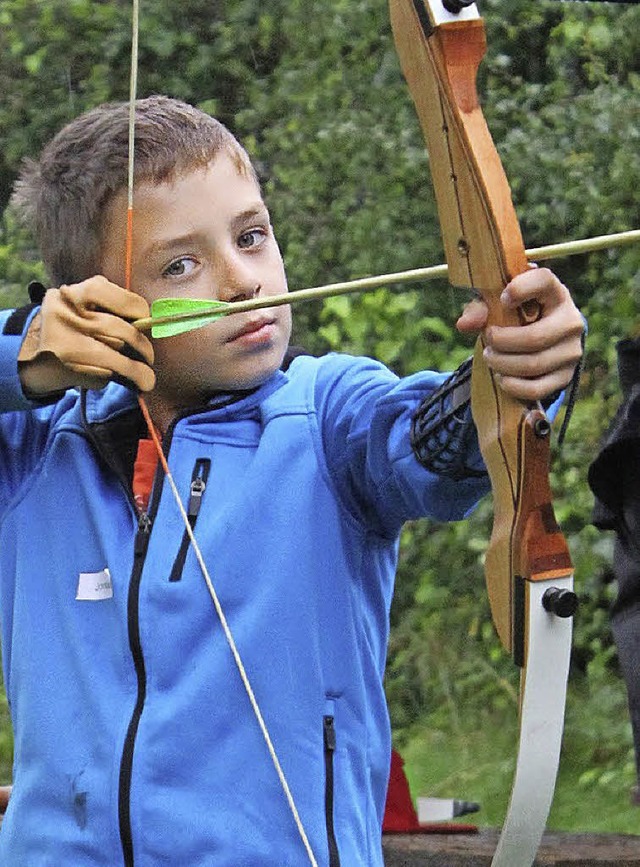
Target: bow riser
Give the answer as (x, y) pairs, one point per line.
(471, 188)
(542, 553)
(483, 246)
(500, 439)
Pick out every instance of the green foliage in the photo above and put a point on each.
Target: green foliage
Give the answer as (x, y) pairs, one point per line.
(18, 263)
(60, 58)
(347, 199)
(317, 96)
(6, 741)
(471, 755)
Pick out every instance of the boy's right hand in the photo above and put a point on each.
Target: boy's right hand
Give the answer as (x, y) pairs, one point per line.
(77, 337)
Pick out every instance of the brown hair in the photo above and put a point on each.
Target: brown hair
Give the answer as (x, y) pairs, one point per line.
(63, 195)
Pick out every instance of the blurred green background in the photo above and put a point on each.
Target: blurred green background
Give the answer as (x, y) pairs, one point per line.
(316, 94)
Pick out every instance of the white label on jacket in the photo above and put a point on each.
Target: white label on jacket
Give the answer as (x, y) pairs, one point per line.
(94, 586)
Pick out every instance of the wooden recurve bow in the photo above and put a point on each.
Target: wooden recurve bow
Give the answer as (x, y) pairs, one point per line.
(528, 567)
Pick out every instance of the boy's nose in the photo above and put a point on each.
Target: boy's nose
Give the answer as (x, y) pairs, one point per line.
(232, 293)
(237, 281)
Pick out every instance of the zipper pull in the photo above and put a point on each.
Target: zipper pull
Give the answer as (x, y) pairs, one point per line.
(196, 491)
(198, 486)
(142, 534)
(329, 730)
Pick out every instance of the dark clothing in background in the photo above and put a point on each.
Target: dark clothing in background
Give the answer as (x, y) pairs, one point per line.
(614, 478)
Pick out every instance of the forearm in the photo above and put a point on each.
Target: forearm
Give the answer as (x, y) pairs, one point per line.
(443, 433)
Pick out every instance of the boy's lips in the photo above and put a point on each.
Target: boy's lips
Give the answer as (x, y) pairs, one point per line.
(252, 328)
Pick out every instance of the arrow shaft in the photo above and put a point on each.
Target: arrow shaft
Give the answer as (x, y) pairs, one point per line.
(368, 284)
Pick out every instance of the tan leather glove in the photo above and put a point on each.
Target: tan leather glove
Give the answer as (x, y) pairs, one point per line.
(81, 338)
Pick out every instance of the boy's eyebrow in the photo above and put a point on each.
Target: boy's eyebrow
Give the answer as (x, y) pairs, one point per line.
(180, 241)
(257, 211)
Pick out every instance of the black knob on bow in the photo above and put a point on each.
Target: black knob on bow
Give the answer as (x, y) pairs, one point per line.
(456, 6)
(562, 603)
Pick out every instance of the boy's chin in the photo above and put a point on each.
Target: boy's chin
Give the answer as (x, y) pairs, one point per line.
(247, 380)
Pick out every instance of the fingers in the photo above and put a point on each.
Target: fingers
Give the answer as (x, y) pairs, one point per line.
(536, 283)
(560, 317)
(101, 309)
(93, 359)
(535, 360)
(98, 293)
(83, 338)
(538, 388)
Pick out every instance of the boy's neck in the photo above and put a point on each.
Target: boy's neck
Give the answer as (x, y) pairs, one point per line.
(163, 413)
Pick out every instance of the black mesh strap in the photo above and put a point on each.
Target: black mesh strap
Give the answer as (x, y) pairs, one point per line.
(443, 432)
(14, 326)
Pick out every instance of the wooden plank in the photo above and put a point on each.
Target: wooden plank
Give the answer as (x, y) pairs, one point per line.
(476, 850)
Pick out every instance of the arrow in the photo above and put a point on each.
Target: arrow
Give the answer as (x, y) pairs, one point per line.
(171, 316)
(443, 809)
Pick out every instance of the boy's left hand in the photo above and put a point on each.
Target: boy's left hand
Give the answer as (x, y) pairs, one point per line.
(538, 359)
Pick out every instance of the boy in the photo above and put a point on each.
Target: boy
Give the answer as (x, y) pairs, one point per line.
(135, 742)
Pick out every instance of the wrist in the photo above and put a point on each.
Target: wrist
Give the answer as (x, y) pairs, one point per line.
(41, 378)
(41, 374)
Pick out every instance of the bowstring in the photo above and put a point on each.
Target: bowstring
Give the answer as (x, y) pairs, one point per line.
(133, 86)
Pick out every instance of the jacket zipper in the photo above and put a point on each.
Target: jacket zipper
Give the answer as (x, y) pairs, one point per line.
(329, 734)
(126, 763)
(199, 479)
(141, 544)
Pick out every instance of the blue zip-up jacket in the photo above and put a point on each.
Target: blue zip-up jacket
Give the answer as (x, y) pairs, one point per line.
(135, 743)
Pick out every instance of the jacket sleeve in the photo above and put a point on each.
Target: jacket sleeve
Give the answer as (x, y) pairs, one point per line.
(365, 414)
(368, 418)
(13, 326)
(24, 424)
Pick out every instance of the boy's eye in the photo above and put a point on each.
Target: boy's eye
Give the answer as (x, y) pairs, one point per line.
(251, 238)
(179, 267)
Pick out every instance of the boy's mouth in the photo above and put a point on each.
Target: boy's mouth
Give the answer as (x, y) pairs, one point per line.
(255, 330)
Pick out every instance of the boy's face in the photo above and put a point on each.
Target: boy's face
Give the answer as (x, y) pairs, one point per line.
(205, 234)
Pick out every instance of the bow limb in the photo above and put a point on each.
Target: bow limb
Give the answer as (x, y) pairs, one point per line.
(440, 52)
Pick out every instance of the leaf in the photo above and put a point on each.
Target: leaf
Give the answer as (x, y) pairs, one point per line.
(166, 307)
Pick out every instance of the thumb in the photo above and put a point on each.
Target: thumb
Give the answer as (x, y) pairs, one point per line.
(473, 318)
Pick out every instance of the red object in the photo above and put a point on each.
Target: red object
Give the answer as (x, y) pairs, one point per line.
(400, 815)
(143, 472)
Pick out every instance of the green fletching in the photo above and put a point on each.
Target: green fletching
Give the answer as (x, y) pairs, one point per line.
(170, 329)
(164, 308)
